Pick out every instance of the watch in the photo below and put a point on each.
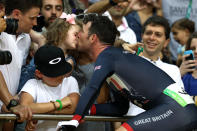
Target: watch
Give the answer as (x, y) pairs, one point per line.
(112, 2)
(12, 103)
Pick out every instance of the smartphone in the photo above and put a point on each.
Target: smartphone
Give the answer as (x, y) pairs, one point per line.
(190, 57)
(190, 53)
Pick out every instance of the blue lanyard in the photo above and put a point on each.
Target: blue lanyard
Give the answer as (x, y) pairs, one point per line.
(189, 8)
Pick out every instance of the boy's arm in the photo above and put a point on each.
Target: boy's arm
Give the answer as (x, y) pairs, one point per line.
(74, 97)
(27, 99)
(68, 102)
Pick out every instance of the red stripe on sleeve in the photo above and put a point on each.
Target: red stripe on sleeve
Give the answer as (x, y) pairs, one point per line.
(127, 126)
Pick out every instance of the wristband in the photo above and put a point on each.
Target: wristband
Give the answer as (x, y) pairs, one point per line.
(54, 104)
(60, 102)
(112, 3)
(12, 103)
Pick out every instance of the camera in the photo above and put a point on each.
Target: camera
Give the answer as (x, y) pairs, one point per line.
(11, 26)
(5, 57)
(40, 24)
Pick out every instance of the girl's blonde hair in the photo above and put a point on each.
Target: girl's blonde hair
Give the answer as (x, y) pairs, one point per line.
(57, 32)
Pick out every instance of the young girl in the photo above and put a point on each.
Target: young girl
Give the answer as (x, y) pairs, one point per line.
(181, 30)
(63, 35)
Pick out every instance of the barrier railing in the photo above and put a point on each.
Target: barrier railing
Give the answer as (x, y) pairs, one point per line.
(66, 117)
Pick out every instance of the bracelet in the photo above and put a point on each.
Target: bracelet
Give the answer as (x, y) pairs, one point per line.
(112, 3)
(54, 104)
(61, 106)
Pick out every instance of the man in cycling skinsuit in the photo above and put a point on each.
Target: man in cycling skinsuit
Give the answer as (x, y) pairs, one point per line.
(168, 107)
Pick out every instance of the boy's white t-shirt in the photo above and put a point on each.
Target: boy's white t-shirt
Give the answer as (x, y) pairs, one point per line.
(43, 93)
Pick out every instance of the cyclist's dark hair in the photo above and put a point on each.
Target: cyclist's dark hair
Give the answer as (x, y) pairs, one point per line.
(102, 26)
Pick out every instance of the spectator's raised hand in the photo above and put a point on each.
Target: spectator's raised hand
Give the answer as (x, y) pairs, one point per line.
(155, 3)
(187, 65)
(137, 4)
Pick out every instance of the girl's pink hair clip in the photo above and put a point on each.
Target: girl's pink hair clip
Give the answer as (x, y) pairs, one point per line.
(70, 18)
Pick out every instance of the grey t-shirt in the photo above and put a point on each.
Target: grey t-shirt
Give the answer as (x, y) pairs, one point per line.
(84, 75)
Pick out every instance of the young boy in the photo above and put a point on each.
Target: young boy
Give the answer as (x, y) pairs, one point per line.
(51, 92)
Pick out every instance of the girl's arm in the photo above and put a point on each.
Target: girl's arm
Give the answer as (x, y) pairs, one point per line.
(37, 38)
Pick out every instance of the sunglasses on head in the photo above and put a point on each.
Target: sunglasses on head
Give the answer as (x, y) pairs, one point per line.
(82, 16)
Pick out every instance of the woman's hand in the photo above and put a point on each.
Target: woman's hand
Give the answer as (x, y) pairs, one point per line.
(187, 65)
